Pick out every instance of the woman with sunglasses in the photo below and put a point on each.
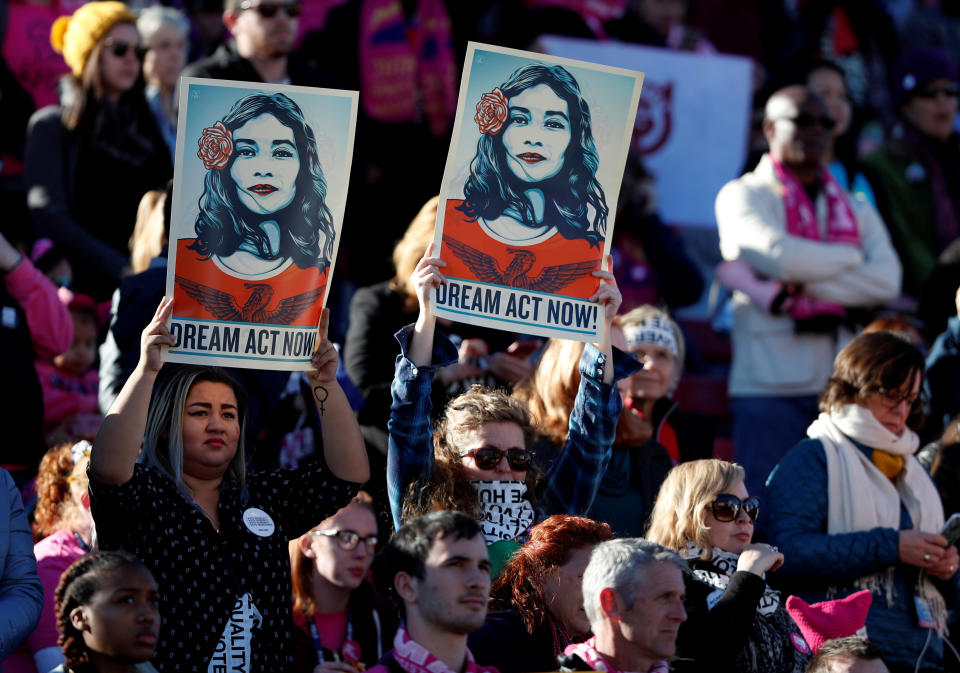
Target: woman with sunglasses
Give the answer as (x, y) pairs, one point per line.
(852, 508)
(341, 623)
(101, 145)
(478, 460)
(735, 621)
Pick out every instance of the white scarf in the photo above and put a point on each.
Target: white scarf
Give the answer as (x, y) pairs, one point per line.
(507, 513)
(725, 564)
(861, 497)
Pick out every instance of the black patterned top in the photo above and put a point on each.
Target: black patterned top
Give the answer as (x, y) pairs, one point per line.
(201, 573)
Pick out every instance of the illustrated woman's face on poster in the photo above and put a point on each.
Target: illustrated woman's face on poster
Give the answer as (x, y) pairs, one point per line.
(537, 134)
(266, 165)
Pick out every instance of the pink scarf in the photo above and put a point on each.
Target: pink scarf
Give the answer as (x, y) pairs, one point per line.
(802, 222)
(415, 658)
(407, 66)
(588, 652)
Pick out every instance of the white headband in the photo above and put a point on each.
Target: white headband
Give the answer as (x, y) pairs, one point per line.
(654, 330)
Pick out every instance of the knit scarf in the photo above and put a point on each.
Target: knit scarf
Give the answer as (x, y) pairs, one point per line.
(801, 218)
(722, 566)
(415, 658)
(861, 497)
(407, 66)
(588, 652)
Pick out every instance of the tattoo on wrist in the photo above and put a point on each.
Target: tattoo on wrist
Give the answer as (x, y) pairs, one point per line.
(320, 394)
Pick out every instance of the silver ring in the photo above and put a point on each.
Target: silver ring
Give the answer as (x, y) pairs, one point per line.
(926, 558)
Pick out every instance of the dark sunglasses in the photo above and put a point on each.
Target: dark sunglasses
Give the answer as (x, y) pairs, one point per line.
(726, 507)
(348, 539)
(488, 457)
(268, 10)
(120, 48)
(949, 91)
(809, 121)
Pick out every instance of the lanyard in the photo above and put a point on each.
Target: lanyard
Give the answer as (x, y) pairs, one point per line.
(318, 645)
(81, 542)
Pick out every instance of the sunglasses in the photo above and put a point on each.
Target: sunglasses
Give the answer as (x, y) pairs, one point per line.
(726, 507)
(809, 121)
(268, 10)
(949, 91)
(348, 539)
(488, 457)
(119, 48)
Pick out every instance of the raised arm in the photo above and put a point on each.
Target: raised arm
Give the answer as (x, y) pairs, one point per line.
(117, 445)
(343, 447)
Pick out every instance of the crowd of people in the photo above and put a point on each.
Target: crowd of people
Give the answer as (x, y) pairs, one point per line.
(438, 496)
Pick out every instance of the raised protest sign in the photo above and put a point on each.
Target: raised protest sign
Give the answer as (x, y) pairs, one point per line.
(692, 123)
(260, 186)
(529, 191)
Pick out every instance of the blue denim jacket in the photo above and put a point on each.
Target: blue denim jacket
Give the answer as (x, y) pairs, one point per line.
(570, 482)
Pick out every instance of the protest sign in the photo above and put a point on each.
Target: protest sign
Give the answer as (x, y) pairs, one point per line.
(260, 185)
(529, 191)
(692, 122)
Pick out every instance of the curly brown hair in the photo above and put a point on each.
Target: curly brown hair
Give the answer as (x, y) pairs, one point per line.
(77, 586)
(59, 482)
(449, 488)
(520, 587)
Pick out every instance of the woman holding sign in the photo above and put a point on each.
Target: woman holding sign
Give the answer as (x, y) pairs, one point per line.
(478, 461)
(214, 535)
(533, 177)
(263, 220)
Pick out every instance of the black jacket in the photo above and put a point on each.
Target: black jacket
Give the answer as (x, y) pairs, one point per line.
(226, 63)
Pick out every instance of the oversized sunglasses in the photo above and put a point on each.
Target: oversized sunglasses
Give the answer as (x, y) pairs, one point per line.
(726, 507)
(119, 48)
(348, 539)
(488, 457)
(268, 10)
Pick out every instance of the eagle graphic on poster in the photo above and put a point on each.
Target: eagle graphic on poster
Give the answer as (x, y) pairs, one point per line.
(488, 269)
(224, 306)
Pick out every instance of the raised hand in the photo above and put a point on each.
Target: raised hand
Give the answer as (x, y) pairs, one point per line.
(759, 558)
(426, 277)
(325, 357)
(608, 294)
(155, 335)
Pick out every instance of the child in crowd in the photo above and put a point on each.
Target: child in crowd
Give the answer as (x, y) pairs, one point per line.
(108, 614)
(69, 380)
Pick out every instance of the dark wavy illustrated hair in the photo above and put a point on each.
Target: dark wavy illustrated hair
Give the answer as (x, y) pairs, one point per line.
(306, 225)
(493, 189)
(77, 586)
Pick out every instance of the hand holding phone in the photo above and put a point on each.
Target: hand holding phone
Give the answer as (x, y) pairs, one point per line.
(951, 529)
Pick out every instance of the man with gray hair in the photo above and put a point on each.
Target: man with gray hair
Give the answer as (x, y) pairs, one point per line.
(633, 595)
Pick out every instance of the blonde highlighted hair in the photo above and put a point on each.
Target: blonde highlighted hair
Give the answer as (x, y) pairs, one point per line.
(680, 513)
(149, 234)
(550, 390)
(410, 249)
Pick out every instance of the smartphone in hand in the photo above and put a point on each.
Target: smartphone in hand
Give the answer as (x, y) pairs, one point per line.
(951, 529)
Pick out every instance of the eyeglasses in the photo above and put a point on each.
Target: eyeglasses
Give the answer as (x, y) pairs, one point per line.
(891, 399)
(808, 121)
(948, 91)
(119, 48)
(268, 10)
(726, 507)
(488, 457)
(348, 539)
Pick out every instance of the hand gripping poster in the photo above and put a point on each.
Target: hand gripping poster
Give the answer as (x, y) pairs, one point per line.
(529, 191)
(259, 192)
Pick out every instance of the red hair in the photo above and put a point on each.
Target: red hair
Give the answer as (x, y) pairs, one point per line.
(552, 543)
(301, 567)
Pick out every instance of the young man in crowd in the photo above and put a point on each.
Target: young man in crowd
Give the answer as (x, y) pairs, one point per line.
(633, 594)
(437, 568)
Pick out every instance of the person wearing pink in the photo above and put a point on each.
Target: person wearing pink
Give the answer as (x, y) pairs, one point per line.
(633, 595)
(438, 572)
(33, 323)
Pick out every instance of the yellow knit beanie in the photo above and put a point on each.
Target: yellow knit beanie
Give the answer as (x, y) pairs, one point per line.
(76, 36)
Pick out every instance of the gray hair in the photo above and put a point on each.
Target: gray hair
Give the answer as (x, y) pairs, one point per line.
(163, 436)
(621, 565)
(156, 16)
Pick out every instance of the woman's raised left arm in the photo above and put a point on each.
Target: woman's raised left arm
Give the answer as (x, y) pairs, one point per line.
(343, 447)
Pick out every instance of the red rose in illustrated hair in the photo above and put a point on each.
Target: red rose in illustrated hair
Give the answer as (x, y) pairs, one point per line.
(491, 112)
(216, 146)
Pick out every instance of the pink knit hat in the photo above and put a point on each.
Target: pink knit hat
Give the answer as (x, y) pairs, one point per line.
(825, 621)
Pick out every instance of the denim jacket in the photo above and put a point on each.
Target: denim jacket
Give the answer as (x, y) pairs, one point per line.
(570, 482)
